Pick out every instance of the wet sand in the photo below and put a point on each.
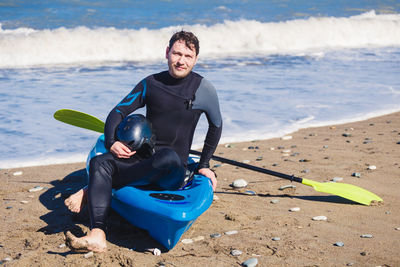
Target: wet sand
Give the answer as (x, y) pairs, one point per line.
(33, 223)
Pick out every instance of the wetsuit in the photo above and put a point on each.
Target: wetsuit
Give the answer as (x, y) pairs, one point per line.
(173, 106)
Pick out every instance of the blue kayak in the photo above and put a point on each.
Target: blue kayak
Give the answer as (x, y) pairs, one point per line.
(166, 215)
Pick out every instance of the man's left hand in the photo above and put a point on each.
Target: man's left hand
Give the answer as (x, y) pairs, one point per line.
(210, 174)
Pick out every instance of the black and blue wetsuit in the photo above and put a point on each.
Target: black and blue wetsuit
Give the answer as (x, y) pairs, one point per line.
(173, 106)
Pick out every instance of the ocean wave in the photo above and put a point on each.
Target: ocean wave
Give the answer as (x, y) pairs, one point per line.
(25, 47)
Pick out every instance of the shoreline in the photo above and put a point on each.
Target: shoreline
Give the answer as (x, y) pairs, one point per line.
(70, 160)
(33, 222)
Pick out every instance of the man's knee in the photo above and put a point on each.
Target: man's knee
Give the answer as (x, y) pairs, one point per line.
(101, 167)
(166, 159)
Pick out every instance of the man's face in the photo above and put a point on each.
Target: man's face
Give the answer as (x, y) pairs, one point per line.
(181, 59)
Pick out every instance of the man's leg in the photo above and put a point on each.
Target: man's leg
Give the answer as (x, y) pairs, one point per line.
(101, 171)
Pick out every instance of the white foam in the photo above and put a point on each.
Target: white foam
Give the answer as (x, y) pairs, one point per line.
(24, 47)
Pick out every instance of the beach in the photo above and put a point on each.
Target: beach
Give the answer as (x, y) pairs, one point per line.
(33, 223)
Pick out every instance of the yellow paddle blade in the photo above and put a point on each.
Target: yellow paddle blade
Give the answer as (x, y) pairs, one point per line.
(348, 191)
(79, 119)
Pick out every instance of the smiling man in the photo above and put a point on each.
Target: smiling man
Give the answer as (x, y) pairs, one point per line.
(174, 101)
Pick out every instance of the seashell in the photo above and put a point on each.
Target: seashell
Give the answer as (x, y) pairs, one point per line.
(320, 218)
(187, 241)
(339, 244)
(232, 232)
(287, 186)
(294, 209)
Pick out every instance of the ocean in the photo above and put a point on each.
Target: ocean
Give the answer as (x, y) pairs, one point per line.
(278, 66)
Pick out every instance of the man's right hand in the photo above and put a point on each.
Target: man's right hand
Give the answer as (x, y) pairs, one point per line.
(121, 151)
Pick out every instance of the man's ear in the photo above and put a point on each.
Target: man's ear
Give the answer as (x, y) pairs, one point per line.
(167, 52)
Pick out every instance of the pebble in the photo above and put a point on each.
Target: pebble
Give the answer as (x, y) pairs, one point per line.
(17, 173)
(350, 264)
(274, 201)
(273, 148)
(215, 235)
(286, 151)
(9, 207)
(88, 255)
(232, 232)
(371, 167)
(187, 241)
(7, 259)
(305, 171)
(398, 228)
(62, 246)
(24, 202)
(215, 198)
(155, 251)
(339, 244)
(366, 236)
(36, 188)
(250, 262)
(236, 252)
(259, 158)
(198, 238)
(287, 137)
(276, 238)
(320, 218)
(228, 145)
(305, 160)
(346, 134)
(239, 183)
(217, 165)
(246, 161)
(356, 174)
(337, 179)
(294, 209)
(287, 186)
(250, 193)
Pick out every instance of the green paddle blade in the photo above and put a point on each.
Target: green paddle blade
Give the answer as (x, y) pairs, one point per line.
(348, 191)
(79, 119)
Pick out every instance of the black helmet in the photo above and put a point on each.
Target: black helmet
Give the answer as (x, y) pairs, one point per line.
(136, 133)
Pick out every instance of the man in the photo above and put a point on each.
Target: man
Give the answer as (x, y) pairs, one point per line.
(174, 101)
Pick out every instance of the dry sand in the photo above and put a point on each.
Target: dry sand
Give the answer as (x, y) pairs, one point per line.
(32, 223)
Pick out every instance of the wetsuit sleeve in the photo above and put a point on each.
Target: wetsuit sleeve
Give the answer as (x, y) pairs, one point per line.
(134, 100)
(206, 99)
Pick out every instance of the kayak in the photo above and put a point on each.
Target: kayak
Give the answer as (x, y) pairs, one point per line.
(166, 215)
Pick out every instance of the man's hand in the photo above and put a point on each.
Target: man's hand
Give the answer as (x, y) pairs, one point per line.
(210, 174)
(121, 151)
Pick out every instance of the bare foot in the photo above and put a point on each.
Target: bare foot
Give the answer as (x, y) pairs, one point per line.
(95, 241)
(77, 201)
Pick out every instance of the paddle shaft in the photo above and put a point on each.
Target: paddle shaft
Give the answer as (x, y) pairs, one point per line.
(253, 168)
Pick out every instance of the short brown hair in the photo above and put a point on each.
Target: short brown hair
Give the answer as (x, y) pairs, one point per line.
(188, 37)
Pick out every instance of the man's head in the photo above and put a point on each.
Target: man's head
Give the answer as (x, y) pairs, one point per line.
(182, 53)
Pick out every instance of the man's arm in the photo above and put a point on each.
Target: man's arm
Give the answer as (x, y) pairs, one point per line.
(134, 100)
(206, 99)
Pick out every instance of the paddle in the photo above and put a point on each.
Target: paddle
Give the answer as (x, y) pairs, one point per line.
(347, 191)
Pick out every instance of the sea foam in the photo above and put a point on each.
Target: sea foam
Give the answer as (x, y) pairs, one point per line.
(25, 47)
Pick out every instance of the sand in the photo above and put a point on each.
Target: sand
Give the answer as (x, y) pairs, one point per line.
(33, 223)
